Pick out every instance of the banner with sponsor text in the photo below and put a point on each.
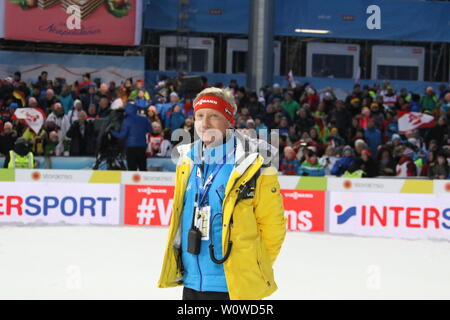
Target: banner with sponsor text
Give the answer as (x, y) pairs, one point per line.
(112, 22)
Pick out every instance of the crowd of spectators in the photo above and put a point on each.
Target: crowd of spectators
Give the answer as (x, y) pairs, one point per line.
(319, 134)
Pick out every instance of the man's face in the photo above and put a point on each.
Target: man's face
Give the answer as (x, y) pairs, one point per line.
(103, 103)
(7, 129)
(210, 125)
(32, 103)
(50, 94)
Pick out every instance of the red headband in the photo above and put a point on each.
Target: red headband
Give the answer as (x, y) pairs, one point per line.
(216, 103)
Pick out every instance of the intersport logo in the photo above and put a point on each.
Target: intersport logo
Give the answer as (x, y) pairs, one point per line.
(404, 215)
(394, 216)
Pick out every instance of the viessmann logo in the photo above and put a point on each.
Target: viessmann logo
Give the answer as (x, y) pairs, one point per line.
(394, 216)
(298, 195)
(149, 191)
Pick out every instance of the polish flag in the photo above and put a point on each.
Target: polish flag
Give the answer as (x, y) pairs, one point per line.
(408, 121)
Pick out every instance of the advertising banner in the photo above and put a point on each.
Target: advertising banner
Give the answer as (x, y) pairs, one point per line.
(407, 216)
(114, 22)
(50, 203)
(380, 185)
(304, 210)
(2, 19)
(152, 206)
(149, 178)
(148, 205)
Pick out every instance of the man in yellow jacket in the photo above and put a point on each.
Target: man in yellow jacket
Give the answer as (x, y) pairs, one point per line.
(228, 221)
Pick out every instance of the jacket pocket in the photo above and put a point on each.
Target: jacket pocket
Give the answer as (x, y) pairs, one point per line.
(261, 269)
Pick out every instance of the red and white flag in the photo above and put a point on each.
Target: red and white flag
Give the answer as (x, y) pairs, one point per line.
(408, 121)
(33, 117)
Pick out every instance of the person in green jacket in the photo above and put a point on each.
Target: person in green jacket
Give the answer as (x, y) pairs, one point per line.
(428, 101)
(289, 105)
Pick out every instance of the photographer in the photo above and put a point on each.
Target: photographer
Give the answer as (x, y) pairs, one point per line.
(134, 130)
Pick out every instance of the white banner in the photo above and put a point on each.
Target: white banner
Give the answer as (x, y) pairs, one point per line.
(408, 216)
(49, 203)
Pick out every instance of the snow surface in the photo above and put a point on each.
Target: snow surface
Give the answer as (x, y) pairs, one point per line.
(74, 262)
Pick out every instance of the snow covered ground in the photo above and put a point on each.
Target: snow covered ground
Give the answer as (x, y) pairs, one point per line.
(73, 262)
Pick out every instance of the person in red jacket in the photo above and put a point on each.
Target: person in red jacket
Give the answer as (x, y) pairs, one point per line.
(406, 167)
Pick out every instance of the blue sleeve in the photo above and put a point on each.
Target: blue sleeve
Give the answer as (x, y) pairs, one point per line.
(336, 168)
(149, 128)
(124, 131)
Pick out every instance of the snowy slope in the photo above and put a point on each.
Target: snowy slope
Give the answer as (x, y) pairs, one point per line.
(72, 262)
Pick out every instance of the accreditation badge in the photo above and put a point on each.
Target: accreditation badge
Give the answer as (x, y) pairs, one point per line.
(202, 218)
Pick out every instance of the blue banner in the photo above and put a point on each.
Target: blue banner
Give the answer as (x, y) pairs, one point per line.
(218, 16)
(403, 20)
(364, 19)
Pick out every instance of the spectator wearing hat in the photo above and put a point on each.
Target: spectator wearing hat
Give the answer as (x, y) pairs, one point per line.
(276, 93)
(75, 110)
(344, 162)
(311, 98)
(311, 165)
(389, 98)
(21, 156)
(406, 167)
(133, 131)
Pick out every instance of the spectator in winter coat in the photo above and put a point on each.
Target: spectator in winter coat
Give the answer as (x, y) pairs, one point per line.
(343, 163)
(373, 137)
(311, 166)
(134, 130)
(104, 108)
(290, 106)
(66, 99)
(328, 159)
(386, 164)
(440, 169)
(290, 164)
(81, 133)
(406, 167)
(428, 101)
(176, 118)
(7, 139)
(62, 122)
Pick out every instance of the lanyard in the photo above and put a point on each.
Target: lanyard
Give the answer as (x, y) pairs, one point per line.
(203, 187)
